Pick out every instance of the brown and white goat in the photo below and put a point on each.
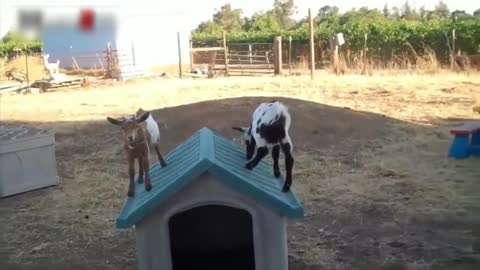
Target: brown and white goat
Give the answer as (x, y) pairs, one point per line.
(137, 140)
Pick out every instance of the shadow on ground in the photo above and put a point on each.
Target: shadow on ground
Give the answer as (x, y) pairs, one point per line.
(364, 208)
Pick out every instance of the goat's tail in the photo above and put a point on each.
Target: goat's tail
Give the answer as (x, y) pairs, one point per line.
(286, 114)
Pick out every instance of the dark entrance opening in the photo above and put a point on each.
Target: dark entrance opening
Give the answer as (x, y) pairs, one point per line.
(212, 237)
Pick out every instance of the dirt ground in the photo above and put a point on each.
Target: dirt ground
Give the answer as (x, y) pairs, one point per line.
(371, 168)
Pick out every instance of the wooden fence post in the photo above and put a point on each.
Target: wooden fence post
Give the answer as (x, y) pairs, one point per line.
(452, 57)
(277, 55)
(191, 53)
(26, 69)
(133, 55)
(110, 63)
(312, 44)
(364, 69)
(179, 56)
(225, 52)
(290, 55)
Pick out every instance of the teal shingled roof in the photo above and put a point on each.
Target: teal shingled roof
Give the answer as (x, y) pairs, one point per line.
(202, 152)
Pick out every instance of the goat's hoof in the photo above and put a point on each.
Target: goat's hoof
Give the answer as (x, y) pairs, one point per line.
(163, 164)
(130, 193)
(286, 188)
(249, 166)
(276, 174)
(148, 187)
(140, 180)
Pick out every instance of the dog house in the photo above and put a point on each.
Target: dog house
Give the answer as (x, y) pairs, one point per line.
(206, 211)
(27, 159)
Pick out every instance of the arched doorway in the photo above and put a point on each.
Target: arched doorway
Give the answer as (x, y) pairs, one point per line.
(212, 237)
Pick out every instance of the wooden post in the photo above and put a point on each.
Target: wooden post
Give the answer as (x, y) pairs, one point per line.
(277, 55)
(364, 69)
(179, 56)
(335, 59)
(191, 53)
(109, 61)
(133, 55)
(290, 55)
(225, 52)
(26, 69)
(312, 48)
(250, 54)
(452, 57)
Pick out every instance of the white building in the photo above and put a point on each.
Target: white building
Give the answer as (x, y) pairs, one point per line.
(144, 31)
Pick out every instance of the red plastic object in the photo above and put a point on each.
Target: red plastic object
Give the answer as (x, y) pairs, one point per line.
(466, 129)
(87, 20)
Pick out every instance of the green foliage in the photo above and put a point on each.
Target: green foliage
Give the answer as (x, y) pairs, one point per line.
(209, 27)
(476, 13)
(228, 18)
(408, 12)
(13, 41)
(264, 21)
(327, 12)
(441, 10)
(390, 31)
(283, 11)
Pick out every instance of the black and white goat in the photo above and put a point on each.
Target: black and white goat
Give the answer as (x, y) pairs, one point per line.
(269, 129)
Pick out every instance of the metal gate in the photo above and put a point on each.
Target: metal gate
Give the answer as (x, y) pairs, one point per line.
(250, 58)
(241, 59)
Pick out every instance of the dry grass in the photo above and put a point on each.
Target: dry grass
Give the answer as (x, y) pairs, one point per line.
(35, 67)
(378, 189)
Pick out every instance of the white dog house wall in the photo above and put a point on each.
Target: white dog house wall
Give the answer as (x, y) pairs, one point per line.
(206, 211)
(27, 159)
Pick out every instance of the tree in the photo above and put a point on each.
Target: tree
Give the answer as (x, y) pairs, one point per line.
(283, 10)
(423, 12)
(459, 14)
(408, 12)
(386, 11)
(262, 21)
(209, 27)
(476, 13)
(441, 10)
(327, 11)
(228, 18)
(396, 12)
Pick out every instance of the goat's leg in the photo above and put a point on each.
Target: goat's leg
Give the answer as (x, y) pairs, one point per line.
(131, 174)
(160, 157)
(275, 156)
(287, 148)
(261, 153)
(146, 168)
(140, 170)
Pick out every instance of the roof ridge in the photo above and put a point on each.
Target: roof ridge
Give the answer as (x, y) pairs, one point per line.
(207, 150)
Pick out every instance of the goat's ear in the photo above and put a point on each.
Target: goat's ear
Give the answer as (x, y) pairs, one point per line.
(143, 117)
(241, 129)
(115, 121)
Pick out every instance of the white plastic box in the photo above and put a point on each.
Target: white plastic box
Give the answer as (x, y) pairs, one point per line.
(27, 159)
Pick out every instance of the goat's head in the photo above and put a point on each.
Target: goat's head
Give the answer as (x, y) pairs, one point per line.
(249, 140)
(132, 132)
(140, 112)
